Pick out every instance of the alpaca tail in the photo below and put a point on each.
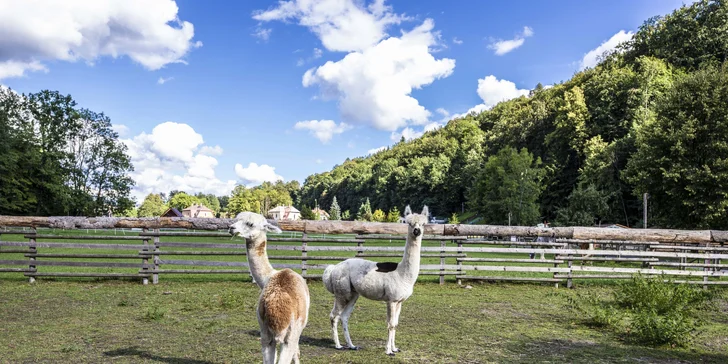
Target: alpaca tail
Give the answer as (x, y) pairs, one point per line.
(328, 283)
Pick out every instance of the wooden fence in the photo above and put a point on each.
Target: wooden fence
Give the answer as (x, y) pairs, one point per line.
(491, 257)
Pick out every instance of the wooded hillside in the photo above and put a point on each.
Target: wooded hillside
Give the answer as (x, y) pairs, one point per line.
(651, 117)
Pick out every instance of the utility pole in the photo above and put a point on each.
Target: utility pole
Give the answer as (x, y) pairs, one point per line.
(644, 209)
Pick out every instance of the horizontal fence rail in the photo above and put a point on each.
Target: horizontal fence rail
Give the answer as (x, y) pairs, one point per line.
(474, 252)
(362, 227)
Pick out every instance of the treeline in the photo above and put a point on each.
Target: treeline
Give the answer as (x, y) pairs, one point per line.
(59, 159)
(259, 199)
(650, 118)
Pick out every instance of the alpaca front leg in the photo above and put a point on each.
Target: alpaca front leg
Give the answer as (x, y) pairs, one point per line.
(391, 326)
(397, 310)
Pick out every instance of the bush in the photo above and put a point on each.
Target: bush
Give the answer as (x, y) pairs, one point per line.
(650, 328)
(648, 311)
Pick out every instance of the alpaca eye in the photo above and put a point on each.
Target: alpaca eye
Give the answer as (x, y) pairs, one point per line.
(250, 224)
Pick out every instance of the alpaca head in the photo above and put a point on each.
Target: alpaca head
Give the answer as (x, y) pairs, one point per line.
(416, 222)
(250, 225)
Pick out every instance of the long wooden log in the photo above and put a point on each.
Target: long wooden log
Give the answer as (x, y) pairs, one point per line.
(361, 227)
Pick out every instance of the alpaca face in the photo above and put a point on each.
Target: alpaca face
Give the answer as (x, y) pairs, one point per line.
(416, 222)
(250, 225)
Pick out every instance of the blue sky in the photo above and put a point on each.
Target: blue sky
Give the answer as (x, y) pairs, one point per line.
(228, 86)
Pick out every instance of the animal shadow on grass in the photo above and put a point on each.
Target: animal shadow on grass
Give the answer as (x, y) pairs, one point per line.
(304, 340)
(134, 351)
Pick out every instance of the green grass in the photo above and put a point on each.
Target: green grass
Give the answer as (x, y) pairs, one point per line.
(93, 321)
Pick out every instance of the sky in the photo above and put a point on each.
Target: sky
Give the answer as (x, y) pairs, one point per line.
(207, 95)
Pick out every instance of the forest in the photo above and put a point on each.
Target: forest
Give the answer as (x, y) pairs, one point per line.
(651, 118)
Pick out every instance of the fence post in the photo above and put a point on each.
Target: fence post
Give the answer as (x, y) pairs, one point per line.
(155, 275)
(304, 254)
(460, 263)
(360, 244)
(32, 249)
(145, 260)
(569, 282)
(442, 262)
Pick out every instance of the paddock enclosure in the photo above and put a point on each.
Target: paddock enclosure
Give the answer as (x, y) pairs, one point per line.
(151, 249)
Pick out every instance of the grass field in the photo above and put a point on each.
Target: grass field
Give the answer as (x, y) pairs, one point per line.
(91, 321)
(211, 318)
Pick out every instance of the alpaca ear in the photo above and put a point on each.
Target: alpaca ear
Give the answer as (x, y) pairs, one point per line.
(270, 228)
(425, 211)
(407, 211)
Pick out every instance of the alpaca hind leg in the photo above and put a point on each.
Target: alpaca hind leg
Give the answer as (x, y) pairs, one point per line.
(268, 343)
(289, 348)
(334, 317)
(345, 321)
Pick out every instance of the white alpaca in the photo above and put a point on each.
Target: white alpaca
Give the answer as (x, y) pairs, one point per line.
(389, 282)
(284, 299)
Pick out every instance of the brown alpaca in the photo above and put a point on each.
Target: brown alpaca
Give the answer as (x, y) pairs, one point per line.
(284, 298)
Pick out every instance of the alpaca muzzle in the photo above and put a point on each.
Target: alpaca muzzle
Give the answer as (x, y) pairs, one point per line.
(416, 232)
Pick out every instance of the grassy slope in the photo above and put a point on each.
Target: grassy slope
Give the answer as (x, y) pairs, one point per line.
(214, 322)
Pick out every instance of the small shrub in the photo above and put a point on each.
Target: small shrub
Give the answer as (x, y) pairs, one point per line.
(675, 328)
(649, 311)
(642, 293)
(154, 313)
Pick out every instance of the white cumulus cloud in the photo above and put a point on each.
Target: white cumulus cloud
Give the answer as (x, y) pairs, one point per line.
(36, 31)
(374, 86)
(592, 57)
(255, 174)
(173, 157)
(342, 25)
(376, 150)
(323, 130)
(163, 80)
(408, 134)
(502, 47)
(492, 91)
(374, 81)
(456, 40)
(120, 129)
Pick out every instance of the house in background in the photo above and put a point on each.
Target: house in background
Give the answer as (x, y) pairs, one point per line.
(198, 211)
(322, 214)
(284, 213)
(173, 212)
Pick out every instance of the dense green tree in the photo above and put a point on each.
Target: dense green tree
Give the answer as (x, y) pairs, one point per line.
(379, 216)
(346, 215)
(585, 207)
(453, 219)
(335, 210)
(365, 211)
(152, 206)
(393, 215)
(681, 154)
(181, 201)
(308, 214)
(58, 159)
(509, 185)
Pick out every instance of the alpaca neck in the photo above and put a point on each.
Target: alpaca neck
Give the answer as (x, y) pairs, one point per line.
(409, 268)
(260, 267)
